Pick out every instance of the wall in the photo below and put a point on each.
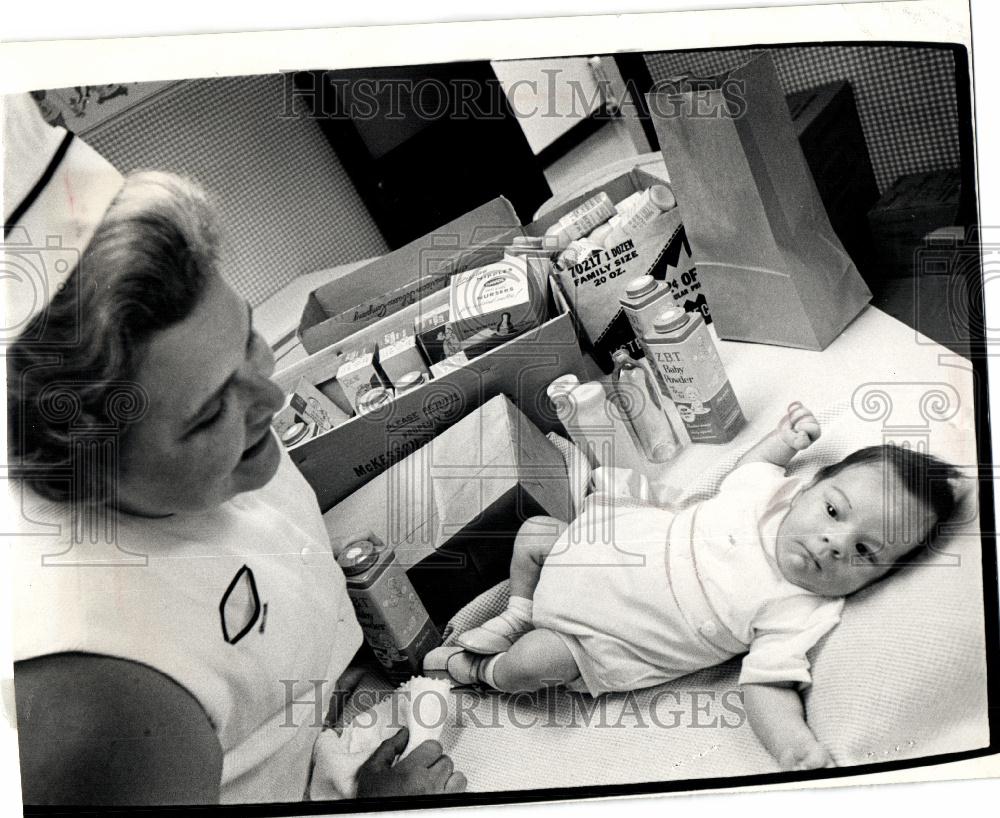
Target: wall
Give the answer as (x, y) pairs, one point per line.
(906, 97)
(286, 202)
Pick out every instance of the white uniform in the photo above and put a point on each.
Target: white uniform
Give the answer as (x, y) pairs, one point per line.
(642, 596)
(244, 606)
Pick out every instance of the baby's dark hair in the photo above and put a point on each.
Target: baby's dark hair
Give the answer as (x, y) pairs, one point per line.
(927, 478)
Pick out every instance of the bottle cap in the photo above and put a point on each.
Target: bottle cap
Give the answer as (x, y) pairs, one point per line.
(600, 233)
(643, 285)
(669, 320)
(663, 197)
(558, 235)
(294, 433)
(357, 557)
(562, 385)
(588, 391)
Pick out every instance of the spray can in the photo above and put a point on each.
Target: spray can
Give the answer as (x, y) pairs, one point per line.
(644, 299)
(394, 620)
(684, 354)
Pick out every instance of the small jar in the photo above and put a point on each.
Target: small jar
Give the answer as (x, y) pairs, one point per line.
(373, 399)
(410, 381)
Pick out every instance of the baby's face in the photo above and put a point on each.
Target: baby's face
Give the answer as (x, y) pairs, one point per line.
(844, 532)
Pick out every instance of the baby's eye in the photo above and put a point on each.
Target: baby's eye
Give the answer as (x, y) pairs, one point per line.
(831, 510)
(865, 552)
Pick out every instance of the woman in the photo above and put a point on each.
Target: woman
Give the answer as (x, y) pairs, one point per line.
(180, 621)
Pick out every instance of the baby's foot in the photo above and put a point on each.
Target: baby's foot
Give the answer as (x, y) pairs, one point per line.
(454, 663)
(495, 635)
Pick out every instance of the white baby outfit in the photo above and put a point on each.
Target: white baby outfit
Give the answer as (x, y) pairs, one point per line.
(243, 605)
(644, 595)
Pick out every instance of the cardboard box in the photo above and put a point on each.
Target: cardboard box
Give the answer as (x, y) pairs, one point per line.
(429, 257)
(917, 204)
(436, 336)
(358, 373)
(398, 354)
(493, 303)
(341, 461)
(594, 287)
(452, 508)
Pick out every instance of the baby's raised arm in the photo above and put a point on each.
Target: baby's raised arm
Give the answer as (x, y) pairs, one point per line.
(778, 719)
(797, 430)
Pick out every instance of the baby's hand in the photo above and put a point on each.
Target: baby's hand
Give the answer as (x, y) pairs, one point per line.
(799, 428)
(806, 757)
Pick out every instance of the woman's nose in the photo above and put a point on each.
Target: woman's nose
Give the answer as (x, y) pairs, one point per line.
(265, 395)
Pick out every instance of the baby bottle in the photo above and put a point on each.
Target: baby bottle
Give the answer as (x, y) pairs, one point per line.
(638, 402)
(603, 434)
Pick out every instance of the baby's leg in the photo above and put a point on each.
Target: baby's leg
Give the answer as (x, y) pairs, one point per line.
(532, 545)
(538, 659)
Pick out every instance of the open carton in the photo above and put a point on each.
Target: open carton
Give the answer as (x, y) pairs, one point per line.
(594, 289)
(452, 508)
(342, 460)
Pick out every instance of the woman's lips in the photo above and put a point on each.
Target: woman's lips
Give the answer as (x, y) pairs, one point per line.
(256, 448)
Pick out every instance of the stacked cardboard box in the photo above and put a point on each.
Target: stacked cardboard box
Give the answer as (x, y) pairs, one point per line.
(452, 508)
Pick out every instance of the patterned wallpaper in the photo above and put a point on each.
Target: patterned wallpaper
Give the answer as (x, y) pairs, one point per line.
(287, 204)
(905, 96)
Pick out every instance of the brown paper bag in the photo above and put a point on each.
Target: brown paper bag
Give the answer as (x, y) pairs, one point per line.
(773, 269)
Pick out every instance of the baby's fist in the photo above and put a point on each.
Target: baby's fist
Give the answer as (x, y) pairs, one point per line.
(799, 428)
(814, 757)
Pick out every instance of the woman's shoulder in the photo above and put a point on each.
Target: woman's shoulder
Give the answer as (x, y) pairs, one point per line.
(96, 729)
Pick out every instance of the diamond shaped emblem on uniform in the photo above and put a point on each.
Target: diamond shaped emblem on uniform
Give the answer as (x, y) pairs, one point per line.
(240, 606)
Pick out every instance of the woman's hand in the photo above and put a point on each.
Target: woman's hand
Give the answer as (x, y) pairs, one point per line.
(425, 771)
(798, 429)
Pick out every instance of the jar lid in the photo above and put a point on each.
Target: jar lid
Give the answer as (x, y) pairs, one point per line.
(294, 433)
(643, 285)
(663, 197)
(409, 380)
(669, 320)
(373, 399)
(357, 557)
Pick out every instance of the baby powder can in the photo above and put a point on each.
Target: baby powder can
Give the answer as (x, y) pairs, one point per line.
(644, 299)
(684, 355)
(395, 623)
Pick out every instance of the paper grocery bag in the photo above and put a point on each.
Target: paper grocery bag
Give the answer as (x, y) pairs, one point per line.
(772, 267)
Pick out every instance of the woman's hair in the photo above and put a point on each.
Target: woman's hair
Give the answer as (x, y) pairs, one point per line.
(144, 270)
(926, 478)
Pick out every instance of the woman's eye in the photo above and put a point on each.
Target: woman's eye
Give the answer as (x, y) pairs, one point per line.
(209, 421)
(865, 552)
(831, 510)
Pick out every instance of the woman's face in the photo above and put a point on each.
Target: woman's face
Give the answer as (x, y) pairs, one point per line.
(207, 433)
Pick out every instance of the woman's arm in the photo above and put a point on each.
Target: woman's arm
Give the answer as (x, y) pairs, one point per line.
(795, 432)
(96, 730)
(777, 717)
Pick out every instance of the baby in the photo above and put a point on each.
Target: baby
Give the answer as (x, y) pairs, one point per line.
(761, 569)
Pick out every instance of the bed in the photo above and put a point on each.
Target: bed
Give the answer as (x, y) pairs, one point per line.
(873, 700)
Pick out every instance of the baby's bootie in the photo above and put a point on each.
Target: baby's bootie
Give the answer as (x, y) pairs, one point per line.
(454, 663)
(496, 635)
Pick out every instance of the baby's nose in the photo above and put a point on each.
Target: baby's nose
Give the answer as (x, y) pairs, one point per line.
(833, 546)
